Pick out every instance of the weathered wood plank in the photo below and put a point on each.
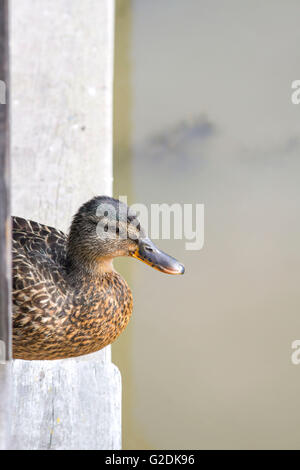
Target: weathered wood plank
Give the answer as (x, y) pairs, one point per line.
(4, 191)
(62, 63)
(84, 419)
(5, 317)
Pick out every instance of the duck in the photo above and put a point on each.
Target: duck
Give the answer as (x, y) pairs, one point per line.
(67, 298)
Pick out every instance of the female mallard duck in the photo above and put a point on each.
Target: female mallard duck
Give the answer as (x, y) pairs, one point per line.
(67, 298)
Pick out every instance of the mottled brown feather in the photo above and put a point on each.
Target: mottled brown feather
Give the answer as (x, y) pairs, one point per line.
(53, 316)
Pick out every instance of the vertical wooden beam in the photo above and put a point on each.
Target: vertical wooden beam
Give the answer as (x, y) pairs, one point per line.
(5, 317)
(4, 191)
(62, 64)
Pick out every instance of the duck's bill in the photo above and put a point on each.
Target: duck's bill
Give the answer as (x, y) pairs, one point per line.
(151, 255)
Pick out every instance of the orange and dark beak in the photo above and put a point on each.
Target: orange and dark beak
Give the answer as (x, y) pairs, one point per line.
(150, 254)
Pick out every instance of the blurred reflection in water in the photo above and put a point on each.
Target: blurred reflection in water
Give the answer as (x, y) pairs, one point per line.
(203, 114)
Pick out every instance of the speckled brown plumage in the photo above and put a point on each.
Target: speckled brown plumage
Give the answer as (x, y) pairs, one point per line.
(54, 315)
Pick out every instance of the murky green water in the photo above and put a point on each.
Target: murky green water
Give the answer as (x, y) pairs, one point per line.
(203, 114)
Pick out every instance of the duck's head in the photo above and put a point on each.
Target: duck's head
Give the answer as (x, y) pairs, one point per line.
(105, 228)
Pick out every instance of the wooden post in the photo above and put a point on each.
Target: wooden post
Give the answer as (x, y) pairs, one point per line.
(62, 65)
(5, 317)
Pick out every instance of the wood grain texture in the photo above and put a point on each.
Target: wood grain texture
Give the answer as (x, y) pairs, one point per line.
(5, 313)
(5, 229)
(62, 65)
(84, 419)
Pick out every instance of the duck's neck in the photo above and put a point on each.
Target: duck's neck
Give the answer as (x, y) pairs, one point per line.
(85, 257)
(82, 266)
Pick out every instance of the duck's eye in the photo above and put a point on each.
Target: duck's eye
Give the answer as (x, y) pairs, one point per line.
(106, 228)
(106, 214)
(117, 230)
(148, 248)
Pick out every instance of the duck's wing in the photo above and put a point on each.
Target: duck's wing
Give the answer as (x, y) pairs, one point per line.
(38, 268)
(32, 236)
